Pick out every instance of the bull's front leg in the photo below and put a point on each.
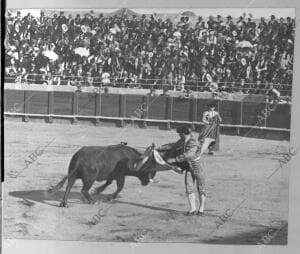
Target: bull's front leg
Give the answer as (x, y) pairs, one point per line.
(120, 184)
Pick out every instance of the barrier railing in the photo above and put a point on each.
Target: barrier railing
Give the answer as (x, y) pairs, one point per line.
(194, 85)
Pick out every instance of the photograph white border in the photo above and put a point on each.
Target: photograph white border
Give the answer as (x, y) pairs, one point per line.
(14, 246)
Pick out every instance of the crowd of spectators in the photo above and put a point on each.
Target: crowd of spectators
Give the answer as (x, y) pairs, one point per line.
(232, 55)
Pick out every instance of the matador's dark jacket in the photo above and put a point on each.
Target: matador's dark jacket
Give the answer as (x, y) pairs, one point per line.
(185, 151)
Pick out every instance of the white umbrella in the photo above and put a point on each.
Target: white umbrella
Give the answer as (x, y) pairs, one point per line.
(113, 30)
(105, 78)
(244, 44)
(105, 75)
(51, 55)
(177, 34)
(82, 51)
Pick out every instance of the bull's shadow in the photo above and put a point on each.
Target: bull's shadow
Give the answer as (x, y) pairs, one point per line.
(42, 196)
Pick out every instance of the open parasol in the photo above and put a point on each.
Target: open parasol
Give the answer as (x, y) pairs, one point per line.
(51, 55)
(82, 51)
(177, 34)
(244, 44)
(113, 30)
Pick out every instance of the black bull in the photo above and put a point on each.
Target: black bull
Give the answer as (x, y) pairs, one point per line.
(98, 163)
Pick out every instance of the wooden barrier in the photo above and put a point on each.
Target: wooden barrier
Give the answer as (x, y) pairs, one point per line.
(124, 107)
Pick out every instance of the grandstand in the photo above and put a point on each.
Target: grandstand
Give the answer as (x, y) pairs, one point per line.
(124, 48)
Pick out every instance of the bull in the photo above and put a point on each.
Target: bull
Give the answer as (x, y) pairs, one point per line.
(99, 163)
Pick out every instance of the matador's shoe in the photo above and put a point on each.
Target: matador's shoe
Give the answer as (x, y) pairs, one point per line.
(191, 213)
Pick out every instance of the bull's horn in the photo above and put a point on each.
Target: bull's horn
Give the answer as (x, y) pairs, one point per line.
(140, 164)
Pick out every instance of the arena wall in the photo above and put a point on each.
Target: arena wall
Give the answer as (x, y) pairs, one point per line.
(239, 117)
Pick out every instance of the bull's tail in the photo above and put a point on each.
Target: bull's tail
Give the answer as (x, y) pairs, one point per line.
(58, 186)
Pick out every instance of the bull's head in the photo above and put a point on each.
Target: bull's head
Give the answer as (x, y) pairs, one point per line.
(146, 177)
(148, 164)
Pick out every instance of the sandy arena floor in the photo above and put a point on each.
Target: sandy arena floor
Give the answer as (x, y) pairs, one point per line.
(236, 182)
